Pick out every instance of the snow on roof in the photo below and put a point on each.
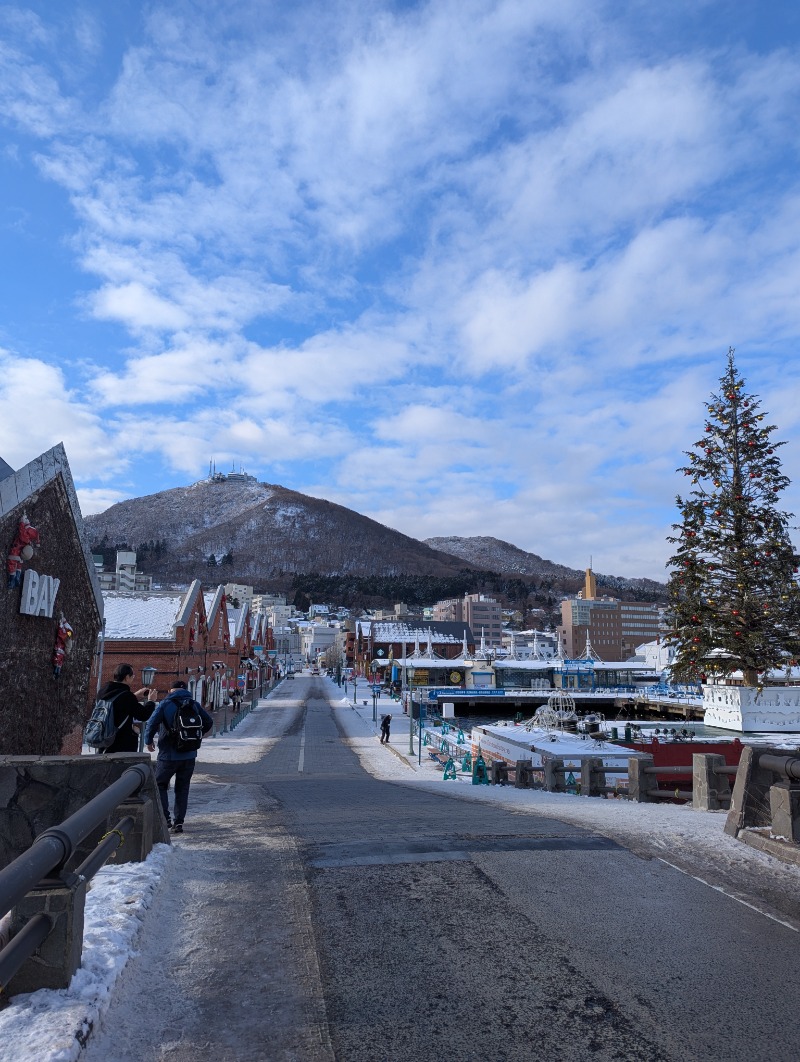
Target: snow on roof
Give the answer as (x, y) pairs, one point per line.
(212, 600)
(558, 665)
(404, 632)
(147, 615)
(237, 618)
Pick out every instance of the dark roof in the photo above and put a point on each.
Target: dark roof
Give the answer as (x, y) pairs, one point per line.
(5, 469)
(386, 631)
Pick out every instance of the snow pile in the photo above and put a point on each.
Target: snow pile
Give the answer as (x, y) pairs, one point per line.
(54, 1025)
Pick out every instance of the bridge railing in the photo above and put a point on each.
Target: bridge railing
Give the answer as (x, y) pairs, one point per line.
(46, 902)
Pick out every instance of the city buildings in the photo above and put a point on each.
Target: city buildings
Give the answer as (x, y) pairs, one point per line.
(125, 577)
(482, 614)
(614, 628)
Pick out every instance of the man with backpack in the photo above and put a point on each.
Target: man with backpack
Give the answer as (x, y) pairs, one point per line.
(116, 709)
(180, 723)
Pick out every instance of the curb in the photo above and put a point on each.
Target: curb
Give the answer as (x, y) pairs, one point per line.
(787, 853)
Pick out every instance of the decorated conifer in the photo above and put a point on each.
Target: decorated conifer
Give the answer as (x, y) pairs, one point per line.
(734, 596)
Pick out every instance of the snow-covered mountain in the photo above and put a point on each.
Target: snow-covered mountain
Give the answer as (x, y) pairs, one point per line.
(262, 531)
(481, 551)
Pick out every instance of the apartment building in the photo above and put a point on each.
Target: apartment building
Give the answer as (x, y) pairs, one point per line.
(482, 614)
(125, 577)
(614, 628)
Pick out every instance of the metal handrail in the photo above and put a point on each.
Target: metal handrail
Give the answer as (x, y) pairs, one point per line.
(52, 849)
(22, 945)
(788, 766)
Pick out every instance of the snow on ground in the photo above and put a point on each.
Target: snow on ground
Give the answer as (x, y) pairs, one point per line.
(52, 1026)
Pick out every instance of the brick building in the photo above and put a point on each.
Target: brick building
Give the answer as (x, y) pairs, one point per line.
(48, 577)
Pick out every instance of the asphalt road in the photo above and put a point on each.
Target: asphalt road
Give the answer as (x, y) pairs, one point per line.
(342, 917)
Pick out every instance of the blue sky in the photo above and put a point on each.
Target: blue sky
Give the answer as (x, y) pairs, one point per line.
(466, 267)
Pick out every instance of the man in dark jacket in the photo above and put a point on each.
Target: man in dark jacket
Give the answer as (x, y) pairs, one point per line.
(128, 708)
(171, 760)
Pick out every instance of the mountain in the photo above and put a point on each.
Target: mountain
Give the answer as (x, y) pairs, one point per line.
(234, 529)
(263, 532)
(502, 557)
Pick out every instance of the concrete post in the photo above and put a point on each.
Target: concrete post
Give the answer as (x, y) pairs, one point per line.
(553, 778)
(522, 779)
(784, 806)
(139, 842)
(750, 797)
(639, 783)
(59, 956)
(710, 791)
(593, 776)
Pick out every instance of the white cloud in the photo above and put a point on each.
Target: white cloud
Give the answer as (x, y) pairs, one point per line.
(38, 410)
(98, 499)
(135, 306)
(457, 264)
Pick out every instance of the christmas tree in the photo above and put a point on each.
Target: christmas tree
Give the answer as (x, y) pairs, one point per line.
(734, 596)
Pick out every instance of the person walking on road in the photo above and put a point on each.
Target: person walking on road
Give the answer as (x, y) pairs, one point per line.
(173, 760)
(386, 723)
(128, 708)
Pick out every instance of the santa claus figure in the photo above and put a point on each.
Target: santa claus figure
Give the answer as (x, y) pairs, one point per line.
(22, 550)
(62, 646)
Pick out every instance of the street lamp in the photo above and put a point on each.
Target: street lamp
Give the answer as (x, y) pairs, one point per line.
(148, 676)
(409, 673)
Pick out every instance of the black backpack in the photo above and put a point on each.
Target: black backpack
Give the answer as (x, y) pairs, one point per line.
(101, 730)
(186, 729)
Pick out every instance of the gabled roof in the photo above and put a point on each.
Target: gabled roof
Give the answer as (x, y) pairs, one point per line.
(213, 599)
(154, 614)
(190, 600)
(17, 487)
(142, 615)
(237, 618)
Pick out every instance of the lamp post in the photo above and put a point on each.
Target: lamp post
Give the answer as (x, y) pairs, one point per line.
(148, 678)
(409, 673)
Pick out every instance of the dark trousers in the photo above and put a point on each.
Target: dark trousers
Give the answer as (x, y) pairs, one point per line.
(384, 735)
(182, 770)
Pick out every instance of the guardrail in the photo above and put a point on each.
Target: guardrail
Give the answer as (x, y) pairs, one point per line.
(708, 772)
(46, 901)
(765, 805)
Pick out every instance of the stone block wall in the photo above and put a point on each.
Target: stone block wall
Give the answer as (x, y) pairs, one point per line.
(39, 792)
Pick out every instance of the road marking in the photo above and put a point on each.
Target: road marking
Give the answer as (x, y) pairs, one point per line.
(738, 899)
(302, 749)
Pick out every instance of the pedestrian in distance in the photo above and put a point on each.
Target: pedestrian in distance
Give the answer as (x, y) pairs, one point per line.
(180, 723)
(128, 708)
(386, 724)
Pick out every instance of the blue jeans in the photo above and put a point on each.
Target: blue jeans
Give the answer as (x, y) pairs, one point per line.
(183, 771)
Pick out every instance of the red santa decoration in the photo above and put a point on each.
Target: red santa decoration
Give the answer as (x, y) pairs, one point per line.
(62, 646)
(21, 550)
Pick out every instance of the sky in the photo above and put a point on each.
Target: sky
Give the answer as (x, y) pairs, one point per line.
(466, 267)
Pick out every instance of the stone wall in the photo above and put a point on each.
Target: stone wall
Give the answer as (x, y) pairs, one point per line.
(38, 709)
(39, 792)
